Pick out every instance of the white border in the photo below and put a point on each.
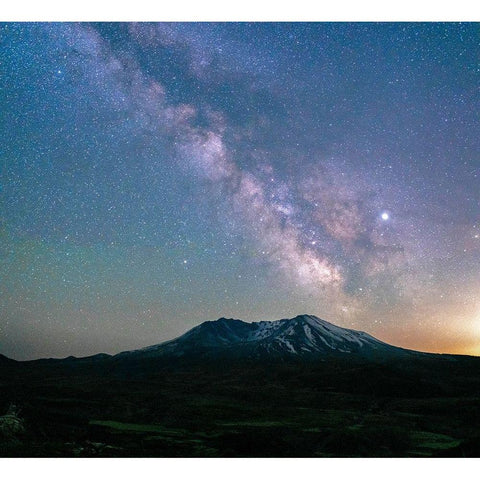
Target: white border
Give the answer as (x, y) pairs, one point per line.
(238, 469)
(235, 10)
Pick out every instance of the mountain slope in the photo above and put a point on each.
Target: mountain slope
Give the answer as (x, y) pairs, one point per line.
(302, 336)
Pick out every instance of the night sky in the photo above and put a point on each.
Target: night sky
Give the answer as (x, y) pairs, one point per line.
(154, 176)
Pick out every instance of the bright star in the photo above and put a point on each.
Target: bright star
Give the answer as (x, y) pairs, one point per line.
(385, 216)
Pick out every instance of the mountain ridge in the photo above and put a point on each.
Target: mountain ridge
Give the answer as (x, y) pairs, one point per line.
(303, 336)
(300, 336)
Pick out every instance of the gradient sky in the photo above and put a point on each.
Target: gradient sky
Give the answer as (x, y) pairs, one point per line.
(154, 176)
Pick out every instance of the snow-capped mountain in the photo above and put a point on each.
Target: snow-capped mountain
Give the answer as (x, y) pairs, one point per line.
(304, 335)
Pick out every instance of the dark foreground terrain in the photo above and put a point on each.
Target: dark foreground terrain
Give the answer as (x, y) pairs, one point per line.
(427, 407)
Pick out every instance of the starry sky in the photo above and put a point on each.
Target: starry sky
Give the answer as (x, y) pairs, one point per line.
(157, 175)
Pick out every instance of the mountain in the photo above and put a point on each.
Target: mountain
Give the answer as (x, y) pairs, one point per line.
(304, 336)
(301, 337)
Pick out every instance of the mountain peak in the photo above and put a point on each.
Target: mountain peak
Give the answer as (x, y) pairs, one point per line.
(302, 336)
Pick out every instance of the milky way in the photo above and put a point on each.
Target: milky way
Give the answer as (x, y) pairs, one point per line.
(158, 175)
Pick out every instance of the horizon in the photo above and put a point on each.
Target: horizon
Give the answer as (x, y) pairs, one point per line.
(112, 354)
(158, 174)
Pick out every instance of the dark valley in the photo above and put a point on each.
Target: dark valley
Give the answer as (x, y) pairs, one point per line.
(299, 387)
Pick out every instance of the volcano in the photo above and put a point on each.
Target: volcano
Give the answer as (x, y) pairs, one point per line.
(301, 336)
